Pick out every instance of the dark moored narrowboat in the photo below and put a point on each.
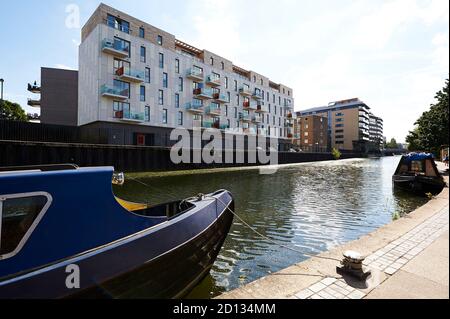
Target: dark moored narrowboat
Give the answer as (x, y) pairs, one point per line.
(417, 172)
(64, 234)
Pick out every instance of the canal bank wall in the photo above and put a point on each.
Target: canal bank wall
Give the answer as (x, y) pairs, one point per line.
(408, 258)
(127, 158)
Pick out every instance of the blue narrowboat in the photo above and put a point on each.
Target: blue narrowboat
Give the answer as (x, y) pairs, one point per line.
(63, 234)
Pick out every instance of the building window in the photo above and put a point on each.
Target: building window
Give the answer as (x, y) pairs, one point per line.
(211, 60)
(177, 101)
(122, 86)
(222, 65)
(237, 99)
(177, 66)
(159, 39)
(164, 116)
(279, 100)
(274, 99)
(340, 119)
(235, 85)
(228, 123)
(226, 82)
(306, 134)
(122, 45)
(118, 24)
(254, 79)
(161, 97)
(142, 93)
(165, 80)
(180, 84)
(161, 60)
(235, 113)
(120, 108)
(147, 113)
(226, 110)
(120, 64)
(143, 54)
(339, 125)
(228, 97)
(261, 82)
(141, 32)
(147, 75)
(306, 141)
(180, 118)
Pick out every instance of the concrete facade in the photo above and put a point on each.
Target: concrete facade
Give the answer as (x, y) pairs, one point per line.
(348, 124)
(198, 88)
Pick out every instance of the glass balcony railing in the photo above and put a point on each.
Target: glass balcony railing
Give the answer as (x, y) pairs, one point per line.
(203, 93)
(133, 116)
(257, 95)
(213, 109)
(130, 74)
(195, 74)
(114, 91)
(245, 91)
(194, 107)
(213, 80)
(220, 97)
(261, 109)
(244, 117)
(256, 119)
(115, 47)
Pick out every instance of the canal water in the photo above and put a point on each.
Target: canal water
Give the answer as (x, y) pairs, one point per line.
(311, 207)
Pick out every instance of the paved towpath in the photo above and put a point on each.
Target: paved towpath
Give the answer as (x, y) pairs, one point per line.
(408, 258)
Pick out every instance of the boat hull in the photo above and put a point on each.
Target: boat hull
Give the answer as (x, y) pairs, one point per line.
(165, 261)
(420, 185)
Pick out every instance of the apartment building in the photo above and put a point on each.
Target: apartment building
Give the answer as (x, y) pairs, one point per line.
(311, 133)
(348, 124)
(134, 75)
(376, 131)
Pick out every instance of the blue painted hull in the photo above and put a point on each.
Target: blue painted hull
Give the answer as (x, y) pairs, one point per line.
(166, 259)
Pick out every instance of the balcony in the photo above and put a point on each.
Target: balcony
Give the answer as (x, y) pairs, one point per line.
(114, 92)
(244, 117)
(194, 107)
(213, 80)
(203, 93)
(289, 115)
(245, 91)
(220, 98)
(261, 109)
(290, 135)
(128, 74)
(262, 131)
(248, 105)
(34, 88)
(128, 116)
(249, 130)
(256, 119)
(257, 95)
(34, 103)
(213, 110)
(194, 74)
(214, 124)
(288, 105)
(115, 48)
(287, 124)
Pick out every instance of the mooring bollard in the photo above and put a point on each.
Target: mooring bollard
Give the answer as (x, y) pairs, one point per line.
(352, 265)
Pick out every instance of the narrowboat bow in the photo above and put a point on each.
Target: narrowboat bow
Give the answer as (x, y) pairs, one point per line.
(417, 173)
(64, 234)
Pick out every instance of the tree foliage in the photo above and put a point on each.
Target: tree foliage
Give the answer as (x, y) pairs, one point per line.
(431, 129)
(336, 154)
(392, 144)
(12, 111)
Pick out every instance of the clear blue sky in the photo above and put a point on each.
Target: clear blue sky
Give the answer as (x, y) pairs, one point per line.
(393, 54)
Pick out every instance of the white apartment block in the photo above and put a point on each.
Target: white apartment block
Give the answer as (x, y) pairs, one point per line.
(135, 74)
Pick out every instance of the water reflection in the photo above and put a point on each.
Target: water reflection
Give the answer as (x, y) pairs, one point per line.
(311, 207)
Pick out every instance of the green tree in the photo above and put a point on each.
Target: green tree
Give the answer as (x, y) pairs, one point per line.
(392, 144)
(431, 131)
(12, 111)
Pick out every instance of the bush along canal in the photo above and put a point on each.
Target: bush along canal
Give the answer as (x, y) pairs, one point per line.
(310, 207)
